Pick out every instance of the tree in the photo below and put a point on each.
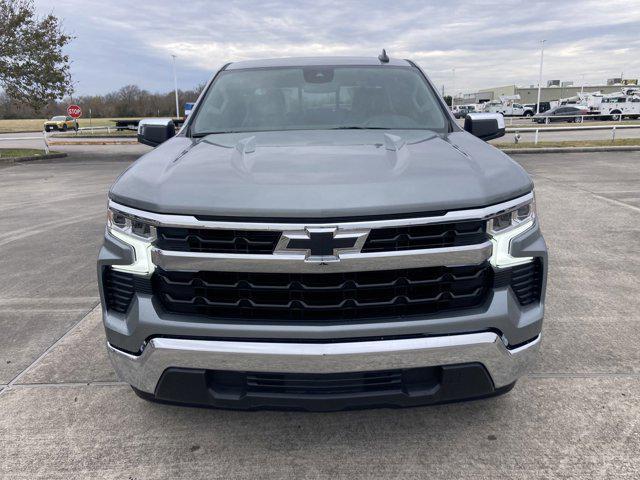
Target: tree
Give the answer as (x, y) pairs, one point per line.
(33, 68)
(447, 99)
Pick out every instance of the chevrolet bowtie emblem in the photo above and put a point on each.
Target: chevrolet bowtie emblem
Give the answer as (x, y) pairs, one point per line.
(321, 244)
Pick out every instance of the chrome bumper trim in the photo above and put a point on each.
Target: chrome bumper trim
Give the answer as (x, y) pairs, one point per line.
(297, 263)
(144, 371)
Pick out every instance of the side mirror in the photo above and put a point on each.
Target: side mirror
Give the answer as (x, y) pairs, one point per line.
(154, 131)
(485, 126)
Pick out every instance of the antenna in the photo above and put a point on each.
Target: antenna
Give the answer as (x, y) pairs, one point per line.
(383, 56)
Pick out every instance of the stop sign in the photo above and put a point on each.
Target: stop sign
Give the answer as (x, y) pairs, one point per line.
(74, 111)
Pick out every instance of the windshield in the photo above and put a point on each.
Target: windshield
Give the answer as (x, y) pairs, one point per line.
(319, 97)
(58, 119)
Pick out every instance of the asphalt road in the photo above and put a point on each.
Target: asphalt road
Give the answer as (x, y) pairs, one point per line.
(64, 415)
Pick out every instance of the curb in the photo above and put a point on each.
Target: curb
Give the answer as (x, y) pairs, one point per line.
(102, 142)
(97, 137)
(620, 148)
(21, 131)
(5, 160)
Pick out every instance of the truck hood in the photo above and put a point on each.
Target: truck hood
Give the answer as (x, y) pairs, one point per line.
(320, 174)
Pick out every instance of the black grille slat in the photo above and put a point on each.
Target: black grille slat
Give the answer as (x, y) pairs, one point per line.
(415, 237)
(323, 297)
(217, 241)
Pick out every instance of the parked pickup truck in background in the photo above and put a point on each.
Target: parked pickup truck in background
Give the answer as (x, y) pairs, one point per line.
(510, 109)
(321, 234)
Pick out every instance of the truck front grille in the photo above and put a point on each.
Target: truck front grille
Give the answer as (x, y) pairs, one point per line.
(263, 242)
(323, 297)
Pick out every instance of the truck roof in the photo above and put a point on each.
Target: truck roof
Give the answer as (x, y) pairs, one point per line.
(311, 61)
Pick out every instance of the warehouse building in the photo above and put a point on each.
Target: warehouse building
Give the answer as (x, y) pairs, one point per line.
(530, 94)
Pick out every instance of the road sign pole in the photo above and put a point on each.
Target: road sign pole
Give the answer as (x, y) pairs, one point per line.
(175, 86)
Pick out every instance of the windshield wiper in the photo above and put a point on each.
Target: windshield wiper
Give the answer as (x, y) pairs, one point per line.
(204, 134)
(358, 127)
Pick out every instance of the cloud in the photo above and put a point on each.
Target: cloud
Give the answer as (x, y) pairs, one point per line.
(487, 42)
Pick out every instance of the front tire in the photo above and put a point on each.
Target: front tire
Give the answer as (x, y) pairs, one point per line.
(64, 127)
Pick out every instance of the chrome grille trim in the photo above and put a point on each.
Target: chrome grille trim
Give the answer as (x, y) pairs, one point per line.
(298, 263)
(293, 261)
(189, 221)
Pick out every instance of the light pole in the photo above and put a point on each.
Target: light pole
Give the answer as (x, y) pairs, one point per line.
(175, 86)
(540, 76)
(453, 87)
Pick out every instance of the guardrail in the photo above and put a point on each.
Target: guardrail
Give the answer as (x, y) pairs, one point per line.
(537, 130)
(108, 128)
(45, 135)
(616, 117)
(43, 138)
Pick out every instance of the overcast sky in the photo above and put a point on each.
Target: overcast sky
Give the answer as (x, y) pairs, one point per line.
(488, 43)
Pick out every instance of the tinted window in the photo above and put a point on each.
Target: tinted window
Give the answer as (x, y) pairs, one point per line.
(296, 98)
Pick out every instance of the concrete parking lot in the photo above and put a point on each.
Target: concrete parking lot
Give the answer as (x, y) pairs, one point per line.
(64, 415)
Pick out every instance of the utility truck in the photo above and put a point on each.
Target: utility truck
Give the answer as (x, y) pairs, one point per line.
(508, 107)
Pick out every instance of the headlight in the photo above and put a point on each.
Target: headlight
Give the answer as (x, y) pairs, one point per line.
(506, 225)
(136, 232)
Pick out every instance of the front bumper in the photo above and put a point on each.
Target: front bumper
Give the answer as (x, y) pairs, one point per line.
(145, 371)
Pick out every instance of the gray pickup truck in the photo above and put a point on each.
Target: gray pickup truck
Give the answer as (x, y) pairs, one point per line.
(321, 235)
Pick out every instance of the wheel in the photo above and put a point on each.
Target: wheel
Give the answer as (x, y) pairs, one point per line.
(64, 127)
(616, 115)
(528, 114)
(75, 127)
(47, 129)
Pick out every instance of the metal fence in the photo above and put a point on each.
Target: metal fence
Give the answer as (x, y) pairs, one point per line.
(42, 137)
(537, 130)
(576, 118)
